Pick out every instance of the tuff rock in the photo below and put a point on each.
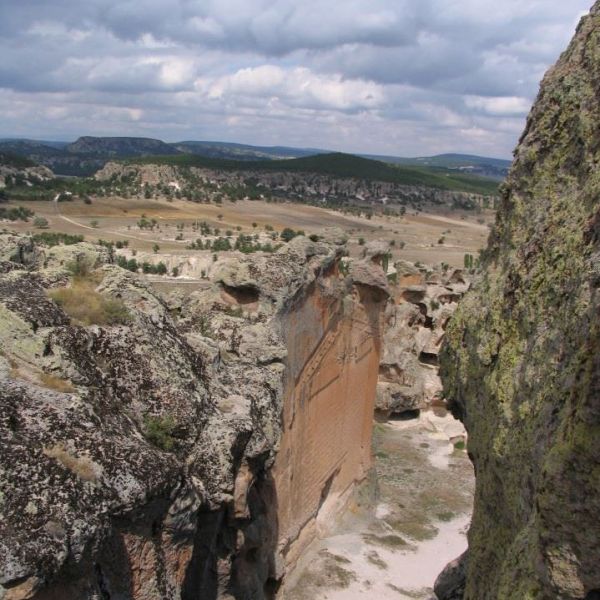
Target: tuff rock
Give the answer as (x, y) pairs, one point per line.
(136, 457)
(521, 361)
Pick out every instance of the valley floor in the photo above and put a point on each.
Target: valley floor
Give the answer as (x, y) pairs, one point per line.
(428, 238)
(404, 526)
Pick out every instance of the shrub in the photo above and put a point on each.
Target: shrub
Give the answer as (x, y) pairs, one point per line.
(80, 267)
(130, 265)
(159, 431)
(40, 222)
(17, 213)
(52, 238)
(288, 234)
(88, 307)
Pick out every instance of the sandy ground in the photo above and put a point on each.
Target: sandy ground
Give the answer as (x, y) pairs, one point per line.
(416, 237)
(393, 544)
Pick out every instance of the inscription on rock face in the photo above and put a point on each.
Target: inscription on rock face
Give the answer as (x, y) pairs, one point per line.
(326, 443)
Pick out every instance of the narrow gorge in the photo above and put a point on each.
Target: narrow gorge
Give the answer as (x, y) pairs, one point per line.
(304, 423)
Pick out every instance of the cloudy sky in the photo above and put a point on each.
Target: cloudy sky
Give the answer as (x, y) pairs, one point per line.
(403, 77)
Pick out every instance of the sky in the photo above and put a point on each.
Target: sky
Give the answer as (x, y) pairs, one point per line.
(398, 77)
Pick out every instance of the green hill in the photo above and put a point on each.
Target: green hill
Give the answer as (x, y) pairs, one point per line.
(9, 159)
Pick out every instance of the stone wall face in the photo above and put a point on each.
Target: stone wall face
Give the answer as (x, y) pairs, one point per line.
(334, 347)
(136, 455)
(521, 361)
(422, 303)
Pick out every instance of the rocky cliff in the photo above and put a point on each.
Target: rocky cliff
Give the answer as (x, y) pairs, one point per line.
(521, 363)
(13, 169)
(202, 184)
(138, 435)
(422, 301)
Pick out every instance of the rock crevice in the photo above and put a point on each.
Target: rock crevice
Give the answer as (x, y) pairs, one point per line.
(139, 433)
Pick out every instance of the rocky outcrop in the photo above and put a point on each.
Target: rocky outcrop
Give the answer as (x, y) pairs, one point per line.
(521, 363)
(423, 300)
(450, 584)
(138, 436)
(13, 172)
(202, 184)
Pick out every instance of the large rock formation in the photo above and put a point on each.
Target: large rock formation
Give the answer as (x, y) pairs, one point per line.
(13, 170)
(138, 436)
(421, 304)
(201, 183)
(522, 360)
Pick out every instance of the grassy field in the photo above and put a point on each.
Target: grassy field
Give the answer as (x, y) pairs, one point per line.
(341, 165)
(416, 237)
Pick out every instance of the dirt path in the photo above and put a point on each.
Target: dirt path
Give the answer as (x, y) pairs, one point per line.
(73, 222)
(393, 545)
(449, 221)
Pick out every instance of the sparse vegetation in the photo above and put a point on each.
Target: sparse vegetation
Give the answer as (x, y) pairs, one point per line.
(53, 238)
(86, 306)
(81, 465)
(288, 234)
(56, 383)
(40, 222)
(16, 213)
(159, 431)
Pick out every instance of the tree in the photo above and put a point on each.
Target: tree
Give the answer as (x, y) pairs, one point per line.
(155, 248)
(287, 234)
(40, 222)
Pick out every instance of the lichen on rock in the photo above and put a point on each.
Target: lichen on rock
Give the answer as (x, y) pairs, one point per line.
(520, 365)
(136, 453)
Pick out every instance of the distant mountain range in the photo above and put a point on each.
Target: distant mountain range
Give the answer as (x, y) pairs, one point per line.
(88, 154)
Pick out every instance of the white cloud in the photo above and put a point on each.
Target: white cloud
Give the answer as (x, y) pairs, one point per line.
(298, 87)
(383, 76)
(499, 106)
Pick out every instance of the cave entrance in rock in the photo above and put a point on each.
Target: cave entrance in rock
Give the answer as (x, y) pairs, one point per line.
(242, 295)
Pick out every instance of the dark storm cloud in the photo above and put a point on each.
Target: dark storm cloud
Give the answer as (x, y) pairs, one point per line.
(401, 76)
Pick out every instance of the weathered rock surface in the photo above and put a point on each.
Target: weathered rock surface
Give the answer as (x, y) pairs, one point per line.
(135, 458)
(450, 584)
(422, 302)
(199, 183)
(30, 175)
(521, 363)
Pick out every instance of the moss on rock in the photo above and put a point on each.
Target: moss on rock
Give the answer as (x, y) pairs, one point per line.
(521, 364)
